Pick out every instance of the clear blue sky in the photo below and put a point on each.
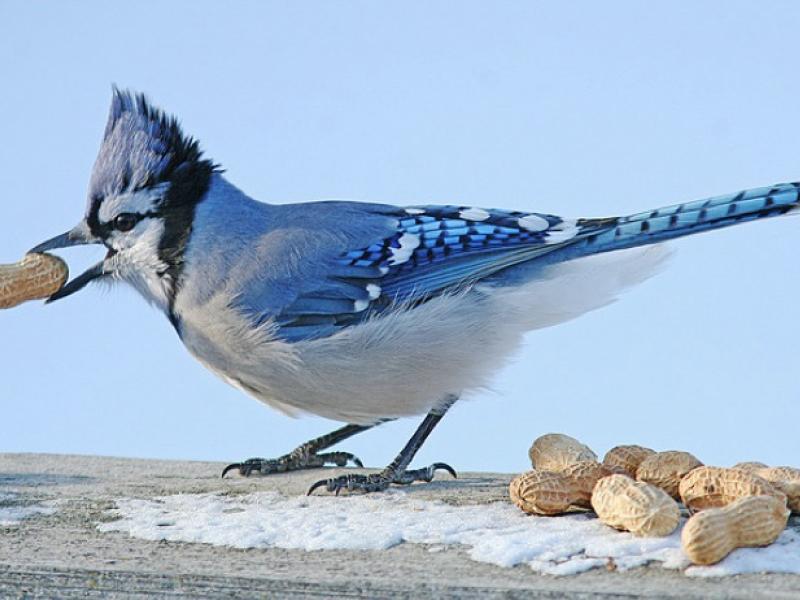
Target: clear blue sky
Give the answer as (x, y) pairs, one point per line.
(579, 109)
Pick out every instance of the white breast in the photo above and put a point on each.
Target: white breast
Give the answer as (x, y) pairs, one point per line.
(406, 362)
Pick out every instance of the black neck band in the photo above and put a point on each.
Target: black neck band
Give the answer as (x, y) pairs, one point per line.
(187, 188)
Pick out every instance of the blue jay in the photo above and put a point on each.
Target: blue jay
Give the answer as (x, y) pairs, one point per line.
(356, 312)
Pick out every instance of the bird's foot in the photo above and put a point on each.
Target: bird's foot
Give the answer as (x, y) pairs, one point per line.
(294, 461)
(377, 482)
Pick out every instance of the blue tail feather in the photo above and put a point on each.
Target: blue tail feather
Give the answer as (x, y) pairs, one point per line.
(692, 217)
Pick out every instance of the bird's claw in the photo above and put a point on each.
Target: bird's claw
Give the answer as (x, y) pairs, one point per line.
(425, 474)
(245, 468)
(292, 462)
(378, 482)
(353, 482)
(230, 467)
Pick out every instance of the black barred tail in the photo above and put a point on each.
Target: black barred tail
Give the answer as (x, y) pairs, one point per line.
(692, 217)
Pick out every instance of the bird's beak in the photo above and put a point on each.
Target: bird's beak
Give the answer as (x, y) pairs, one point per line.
(78, 236)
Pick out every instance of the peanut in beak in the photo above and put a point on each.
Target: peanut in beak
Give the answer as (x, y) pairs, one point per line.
(35, 277)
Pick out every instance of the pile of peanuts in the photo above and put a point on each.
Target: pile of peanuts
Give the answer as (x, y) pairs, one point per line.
(637, 489)
(34, 277)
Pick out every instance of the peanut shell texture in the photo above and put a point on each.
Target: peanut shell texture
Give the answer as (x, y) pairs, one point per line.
(666, 469)
(749, 465)
(35, 277)
(713, 487)
(556, 451)
(784, 479)
(641, 508)
(626, 459)
(554, 493)
(711, 535)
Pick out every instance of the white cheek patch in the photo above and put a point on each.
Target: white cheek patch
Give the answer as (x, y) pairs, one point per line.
(138, 261)
(121, 241)
(147, 244)
(139, 247)
(415, 211)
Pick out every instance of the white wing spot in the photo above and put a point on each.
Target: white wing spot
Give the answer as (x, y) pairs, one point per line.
(415, 211)
(533, 223)
(374, 292)
(566, 230)
(408, 242)
(474, 214)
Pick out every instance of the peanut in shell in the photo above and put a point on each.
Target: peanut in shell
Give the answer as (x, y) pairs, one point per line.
(786, 480)
(626, 459)
(752, 465)
(711, 535)
(556, 451)
(553, 493)
(35, 277)
(713, 487)
(643, 509)
(666, 469)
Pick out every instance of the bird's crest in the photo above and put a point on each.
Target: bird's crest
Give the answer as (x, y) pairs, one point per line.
(142, 147)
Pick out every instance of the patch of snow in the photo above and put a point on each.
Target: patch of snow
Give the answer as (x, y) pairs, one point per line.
(495, 533)
(14, 515)
(13, 512)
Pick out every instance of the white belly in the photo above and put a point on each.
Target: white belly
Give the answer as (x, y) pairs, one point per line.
(406, 362)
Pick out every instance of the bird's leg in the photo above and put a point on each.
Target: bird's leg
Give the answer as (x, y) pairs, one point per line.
(305, 456)
(397, 471)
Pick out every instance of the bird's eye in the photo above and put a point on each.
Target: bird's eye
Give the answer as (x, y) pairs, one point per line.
(125, 221)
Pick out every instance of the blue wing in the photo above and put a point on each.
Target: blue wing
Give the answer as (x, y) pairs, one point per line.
(434, 249)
